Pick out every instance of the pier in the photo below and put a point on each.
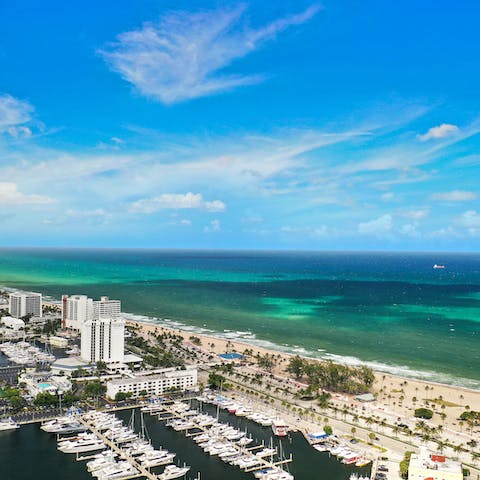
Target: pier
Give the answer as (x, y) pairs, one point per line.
(144, 472)
(168, 412)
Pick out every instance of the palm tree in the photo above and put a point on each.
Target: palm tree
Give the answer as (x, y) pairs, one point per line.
(395, 430)
(458, 448)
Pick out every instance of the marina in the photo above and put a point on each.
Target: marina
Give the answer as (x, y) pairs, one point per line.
(47, 462)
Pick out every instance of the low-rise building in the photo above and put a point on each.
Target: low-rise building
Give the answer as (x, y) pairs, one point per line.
(435, 467)
(13, 323)
(44, 382)
(167, 380)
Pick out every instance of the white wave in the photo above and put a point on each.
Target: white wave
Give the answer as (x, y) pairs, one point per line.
(250, 338)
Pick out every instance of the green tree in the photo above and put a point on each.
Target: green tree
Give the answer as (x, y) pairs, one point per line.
(296, 366)
(45, 399)
(328, 429)
(423, 413)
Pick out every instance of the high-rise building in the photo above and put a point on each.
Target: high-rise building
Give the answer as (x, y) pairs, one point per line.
(106, 308)
(103, 340)
(76, 310)
(25, 303)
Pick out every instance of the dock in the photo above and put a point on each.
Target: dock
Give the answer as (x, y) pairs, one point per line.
(169, 412)
(144, 472)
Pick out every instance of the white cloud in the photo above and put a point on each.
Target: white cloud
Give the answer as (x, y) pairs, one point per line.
(470, 220)
(378, 226)
(387, 197)
(442, 131)
(215, 206)
(181, 56)
(213, 226)
(177, 201)
(14, 114)
(417, 214)
(409, 229)
(455, 196)
(10, 195)
(98, 212)
(309, 231)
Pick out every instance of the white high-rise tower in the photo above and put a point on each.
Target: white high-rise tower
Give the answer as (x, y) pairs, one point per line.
(25, 303)
(103, 340)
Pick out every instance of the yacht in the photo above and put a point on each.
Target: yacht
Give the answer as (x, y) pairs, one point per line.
(81, 445)
(101, 461)
(156, 458)
(63, 425)
(279, 428)
(8, 424)
(172, 471)
(266, 452)
(117, 471)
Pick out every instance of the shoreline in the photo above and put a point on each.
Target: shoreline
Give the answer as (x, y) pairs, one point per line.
(249, 339)
(395, 394)
(245, 338)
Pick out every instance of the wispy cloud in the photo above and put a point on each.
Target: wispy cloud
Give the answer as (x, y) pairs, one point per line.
(177, 201)
(11, 195)
(442, 131)
(183, 55)
(455, 196)
(214, 226)
(378, 226)
(14, 115)
(470, 220)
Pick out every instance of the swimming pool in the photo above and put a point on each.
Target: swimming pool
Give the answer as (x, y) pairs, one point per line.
(230, 356)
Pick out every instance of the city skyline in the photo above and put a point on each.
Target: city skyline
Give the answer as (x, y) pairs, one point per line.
(299, 125)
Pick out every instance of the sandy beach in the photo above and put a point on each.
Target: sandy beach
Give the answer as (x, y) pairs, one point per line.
(397, 397)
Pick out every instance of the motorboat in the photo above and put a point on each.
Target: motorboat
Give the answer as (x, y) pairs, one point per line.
(172, 471)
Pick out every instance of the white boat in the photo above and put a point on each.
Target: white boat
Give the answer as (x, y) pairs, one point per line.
(266, 452)
(156, 458)
(279, 428)
(438, 266)
(117, 471)
(101, 462)
(172, 471)
(80, 446)
(244, 441)
(8, 424)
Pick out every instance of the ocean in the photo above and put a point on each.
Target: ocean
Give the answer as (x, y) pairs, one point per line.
(392, 311)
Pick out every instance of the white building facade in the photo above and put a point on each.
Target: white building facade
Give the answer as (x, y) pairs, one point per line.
(25, 303)
(431, 466)
(103, 340)
(106, 308)
(76, 310)
(170, 379)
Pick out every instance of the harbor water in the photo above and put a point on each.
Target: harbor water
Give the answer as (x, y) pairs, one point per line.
(30, 453)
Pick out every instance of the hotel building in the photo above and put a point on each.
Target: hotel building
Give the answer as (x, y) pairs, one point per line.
(169, 379)
(77, 309)
(25, 303)
(103, 340)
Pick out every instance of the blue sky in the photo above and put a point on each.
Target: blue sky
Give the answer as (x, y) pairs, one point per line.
(282, 125)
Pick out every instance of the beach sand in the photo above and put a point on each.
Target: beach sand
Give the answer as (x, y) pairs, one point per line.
(397, 397)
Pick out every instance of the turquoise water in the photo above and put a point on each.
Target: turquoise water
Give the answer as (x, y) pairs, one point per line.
(44, 385)
(391, 310)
